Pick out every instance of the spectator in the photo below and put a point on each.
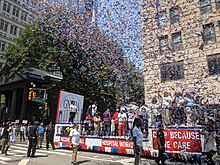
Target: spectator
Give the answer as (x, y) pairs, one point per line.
(122, 122)
(88, 125)
(75, 143)
(144, 120)
(107, 122)
(178, 111)
(161, 145)
(115, 118)
(188, 102)
(5, 139)
(22, 132)
(138, 140)
(32, 139)
(13, 133)
(49, 136)
(94, 109)
(41, 131)
(97, 121)
(89, 110)
(155, 106)
(166, 104)
(130, 115)
(209, 143)
(112, 127)
(73, 110)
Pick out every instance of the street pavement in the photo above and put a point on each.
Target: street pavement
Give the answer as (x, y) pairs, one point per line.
(17, 156)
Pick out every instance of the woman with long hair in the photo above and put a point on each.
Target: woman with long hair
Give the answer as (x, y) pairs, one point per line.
(138, 140)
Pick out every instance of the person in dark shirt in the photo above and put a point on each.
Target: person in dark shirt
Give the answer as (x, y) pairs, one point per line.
(5, 139)
(49, 136)
(32, 138)
(161, 145)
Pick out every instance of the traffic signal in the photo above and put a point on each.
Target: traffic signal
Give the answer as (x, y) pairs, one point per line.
(34, 95)
(30, 95)
(45, 106)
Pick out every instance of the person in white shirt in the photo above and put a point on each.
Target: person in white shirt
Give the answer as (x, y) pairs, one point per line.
(73, 110)
(74, 138)
(13, 133)
(94, 109)
(138, 140)
(22, 132)
(166, 103)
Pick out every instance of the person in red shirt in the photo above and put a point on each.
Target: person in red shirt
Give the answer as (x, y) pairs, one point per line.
(115, 118)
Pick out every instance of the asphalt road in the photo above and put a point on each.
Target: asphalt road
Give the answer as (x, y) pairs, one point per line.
(18, 150)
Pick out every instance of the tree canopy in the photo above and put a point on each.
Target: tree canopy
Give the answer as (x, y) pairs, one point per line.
(91, 63)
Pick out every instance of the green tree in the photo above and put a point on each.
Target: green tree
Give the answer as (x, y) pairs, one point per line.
(91, 63)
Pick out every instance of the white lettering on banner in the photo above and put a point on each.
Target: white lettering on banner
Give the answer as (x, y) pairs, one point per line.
(111, 143)
(93, 142)
(64, 139)
(182, 145)
(167, 144)
(155, 134)
(184, 135)
(82, 141)
(126, 144)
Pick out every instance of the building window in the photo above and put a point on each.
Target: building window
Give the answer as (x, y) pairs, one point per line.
(2, 45)
(6, 7)
(162, 19)
(174, 14)
(217, 4)
(24, 16)
(3, 25)
(176, 41)
(214, 64)
(163, 44)
(172, 71)
(13, 29)
(205, 6)
(209, 33)
(15, 11)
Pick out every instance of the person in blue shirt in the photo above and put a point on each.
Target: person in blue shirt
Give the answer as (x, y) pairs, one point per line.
(41, 131)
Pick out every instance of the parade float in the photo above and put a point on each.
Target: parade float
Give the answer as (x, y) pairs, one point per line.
(181, 142)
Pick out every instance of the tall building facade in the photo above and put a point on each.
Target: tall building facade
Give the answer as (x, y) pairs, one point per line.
(14, 15)
(181, 41)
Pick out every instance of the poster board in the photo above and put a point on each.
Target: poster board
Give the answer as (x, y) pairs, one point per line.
(63, 107)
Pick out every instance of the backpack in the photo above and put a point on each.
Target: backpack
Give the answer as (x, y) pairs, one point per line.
(41, 130)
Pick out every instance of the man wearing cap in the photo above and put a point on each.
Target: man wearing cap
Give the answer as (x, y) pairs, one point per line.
(161, 145)
(32, 138)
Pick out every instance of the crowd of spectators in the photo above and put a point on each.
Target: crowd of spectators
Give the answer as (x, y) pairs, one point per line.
(182, 108)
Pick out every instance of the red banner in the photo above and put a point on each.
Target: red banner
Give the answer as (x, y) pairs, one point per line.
(65, 139)
(178, 140)
(128, 144)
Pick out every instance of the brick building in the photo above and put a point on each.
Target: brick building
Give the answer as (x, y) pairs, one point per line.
(181, 41)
